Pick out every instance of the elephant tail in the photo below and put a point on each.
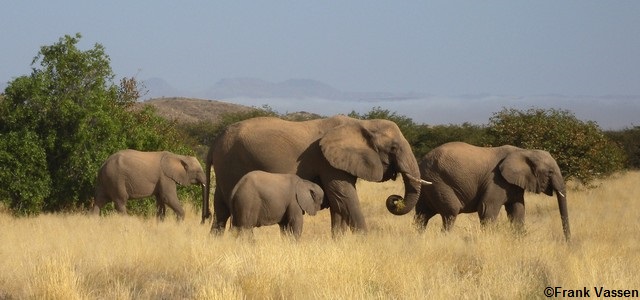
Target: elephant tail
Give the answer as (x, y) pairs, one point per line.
(206, 211)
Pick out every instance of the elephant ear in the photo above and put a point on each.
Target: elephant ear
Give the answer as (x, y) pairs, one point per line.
(304, 196)
(350, 148)
(175, 168)
(517, 169)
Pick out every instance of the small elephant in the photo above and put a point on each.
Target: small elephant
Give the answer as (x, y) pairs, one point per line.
(261, 198)
(470, 179)
(131, 174)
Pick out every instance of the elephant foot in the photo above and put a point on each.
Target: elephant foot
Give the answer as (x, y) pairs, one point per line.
(216, 231)
(205, 216)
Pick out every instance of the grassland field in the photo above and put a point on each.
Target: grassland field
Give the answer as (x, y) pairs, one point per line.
(74, 256)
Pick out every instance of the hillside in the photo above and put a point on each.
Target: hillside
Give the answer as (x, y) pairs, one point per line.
(193, 110)
(189, 110)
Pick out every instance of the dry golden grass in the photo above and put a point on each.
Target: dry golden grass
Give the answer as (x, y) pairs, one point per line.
(115, 257)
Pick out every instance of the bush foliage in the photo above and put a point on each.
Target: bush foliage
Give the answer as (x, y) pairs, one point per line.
(581, 149)
(430, 137)
(62, 121)
(629, 140)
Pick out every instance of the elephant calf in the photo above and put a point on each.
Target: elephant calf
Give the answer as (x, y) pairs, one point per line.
(261, 198)
(131, 174)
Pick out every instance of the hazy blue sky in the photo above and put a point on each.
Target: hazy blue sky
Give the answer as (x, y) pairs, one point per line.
(438, 47)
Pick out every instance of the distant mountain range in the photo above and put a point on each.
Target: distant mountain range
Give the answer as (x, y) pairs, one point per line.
(296, 95)
(258, 88)
(609, 111)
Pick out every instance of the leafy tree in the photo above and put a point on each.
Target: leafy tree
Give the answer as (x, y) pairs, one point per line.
(24, 176)
(60, 104)
(629, 141)
(430, 137)
(580, 148)
(72, 117)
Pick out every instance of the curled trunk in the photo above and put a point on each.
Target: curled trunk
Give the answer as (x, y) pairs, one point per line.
(408, 167)
(398, 205)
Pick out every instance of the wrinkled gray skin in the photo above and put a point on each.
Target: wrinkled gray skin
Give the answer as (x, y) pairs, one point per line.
(331, 152)
(131, 174)
(261, 199)
(470, 179)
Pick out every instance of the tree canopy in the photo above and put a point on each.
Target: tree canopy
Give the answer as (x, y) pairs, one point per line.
(59, 124)
(581, 148)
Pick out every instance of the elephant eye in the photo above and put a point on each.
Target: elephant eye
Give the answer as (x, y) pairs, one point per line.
(394, 148)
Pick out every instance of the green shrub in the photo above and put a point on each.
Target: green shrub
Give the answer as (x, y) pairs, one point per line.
(629, 140)
(62, 121)
(430, 137)
(580, 148)
(23, 172)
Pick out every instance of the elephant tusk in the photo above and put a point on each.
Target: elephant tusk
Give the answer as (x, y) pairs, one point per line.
(561, 194)
(417, 179)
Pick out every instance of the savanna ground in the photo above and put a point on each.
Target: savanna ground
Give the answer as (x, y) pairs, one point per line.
(115, 257)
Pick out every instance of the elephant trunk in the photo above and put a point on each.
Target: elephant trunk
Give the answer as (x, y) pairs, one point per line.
(408, 167)
(557, 185)
(564, 214)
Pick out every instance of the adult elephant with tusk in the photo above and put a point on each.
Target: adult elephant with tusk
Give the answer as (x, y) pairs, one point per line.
(470, 179)
(331, 152)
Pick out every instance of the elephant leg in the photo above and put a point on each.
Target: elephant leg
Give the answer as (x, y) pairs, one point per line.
(221, 213)
(296, 227)
(338, 224)
(442, 199)
(291, 227)
(174, 204)
(246, 234)
(344, 204)
(488, 212)
(448, 221)
(235, 231)
(287, 230)
(242, 232)
(516, 213)
(98, 203)
(121, 206)
(167, 195)
(96, 210)
(423, 215)
(161, 209)
(421, 219)
(284, 228)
